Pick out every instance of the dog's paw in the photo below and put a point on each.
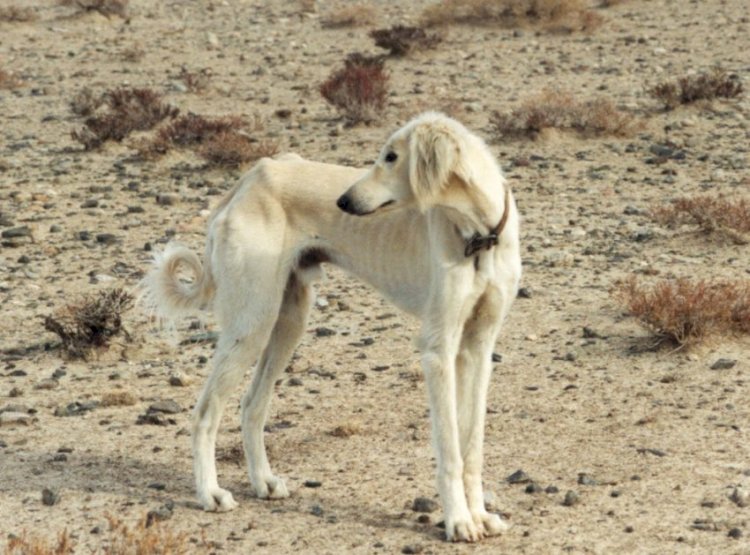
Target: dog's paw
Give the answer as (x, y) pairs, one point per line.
(218, 500)
(490, 523)
(271, 487)
(463, 530)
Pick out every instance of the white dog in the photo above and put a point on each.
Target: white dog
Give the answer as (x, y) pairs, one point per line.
(432, 225)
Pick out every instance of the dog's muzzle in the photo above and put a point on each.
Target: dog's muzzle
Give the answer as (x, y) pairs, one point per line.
(345, 204)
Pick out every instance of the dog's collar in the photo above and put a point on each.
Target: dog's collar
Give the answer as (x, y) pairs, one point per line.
(479, 242)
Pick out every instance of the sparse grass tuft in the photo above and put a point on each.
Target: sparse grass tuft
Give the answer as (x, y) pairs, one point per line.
(400, 40)
(713, 215)
(147, 537)
(567, 15)
(32, 545)
(691, 88)
(195, 81)
(685, 312)
(356, 15)
(560, 110)
(86, 102)
(104, 7)
(359, 90)
(118, 399)
(133, 53)
(345, 430)
(91, 323)
(128, 110)
(17, 14)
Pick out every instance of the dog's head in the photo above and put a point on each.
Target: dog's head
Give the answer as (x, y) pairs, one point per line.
(433, 160)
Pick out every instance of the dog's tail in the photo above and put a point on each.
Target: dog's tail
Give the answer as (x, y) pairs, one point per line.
(169, 297)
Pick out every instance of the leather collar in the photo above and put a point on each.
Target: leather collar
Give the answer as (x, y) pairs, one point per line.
(479, 242)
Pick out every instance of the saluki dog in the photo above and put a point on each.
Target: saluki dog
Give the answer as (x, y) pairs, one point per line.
(432, 225)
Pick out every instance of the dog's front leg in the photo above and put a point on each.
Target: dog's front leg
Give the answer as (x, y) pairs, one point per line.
(439, 368)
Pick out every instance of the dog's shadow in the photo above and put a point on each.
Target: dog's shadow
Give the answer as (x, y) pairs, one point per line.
(132, 481)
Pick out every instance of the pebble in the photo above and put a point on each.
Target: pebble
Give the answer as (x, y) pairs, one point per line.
(16, 232)
(11, 418)
(533, 487)
(586, 480)
(162, 513)
(735, 533)
(48, 383)
(524, 293)
(740, 497)
(412, 549)
(424, 505)
(324, 332)
(50, 497)
(76, 408)
(167, 406)
(518, 477)
(166, 199)
(316, 510)
(312, 483)
(723, 364)
(178, 379)
(571, 498)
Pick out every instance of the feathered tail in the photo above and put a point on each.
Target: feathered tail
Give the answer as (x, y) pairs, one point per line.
(166, 295)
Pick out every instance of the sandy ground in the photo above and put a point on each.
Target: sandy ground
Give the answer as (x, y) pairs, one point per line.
(653, 443)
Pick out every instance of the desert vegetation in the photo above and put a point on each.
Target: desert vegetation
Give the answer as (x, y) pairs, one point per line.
(692, 88)
(104, 7)
(726, 217)
(9, 80)
(561, 110)
(685, 312)
(568, 15)
(90, 324)
(354, 15)
(400, 40)
(358, 90)
(17, 14)
(128, 110)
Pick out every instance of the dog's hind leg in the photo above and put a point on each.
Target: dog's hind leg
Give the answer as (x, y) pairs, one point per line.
(287, 331)
(473, 371)
(246, 322)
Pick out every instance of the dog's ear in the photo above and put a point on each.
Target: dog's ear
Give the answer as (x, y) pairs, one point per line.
(433, 155)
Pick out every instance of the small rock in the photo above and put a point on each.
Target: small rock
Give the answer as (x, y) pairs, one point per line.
(412, 549)
(76, 408)
(158, 486)
(316, 510)
(424, 505)
(49, 383)
(571, 498)
(162, 513)
(16, 232)
(723, 364)
(735, 533)
(586, 480)
(324, 332)
(295, 382)
(106, 238)
(551, 489)
(11, 418)
(50, 497)
(533, 487)
(166, 199)
(312, 484)
(518, 477)
(740, 497)
(167, 406)
(524, 293)
(178, 379)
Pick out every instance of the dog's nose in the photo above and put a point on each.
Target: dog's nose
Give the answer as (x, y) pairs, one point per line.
(344, 203)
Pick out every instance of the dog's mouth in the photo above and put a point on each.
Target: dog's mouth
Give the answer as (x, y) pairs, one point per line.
(345, 204)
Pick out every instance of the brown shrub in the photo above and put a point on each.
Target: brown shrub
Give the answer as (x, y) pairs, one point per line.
(90, 323)
(359, 90)
(560, 110)
(17, 14)
(725, 217)
(570, 15)
(104, 7)
(85, 102)
(684, 312)
(691, 88)
(32, 545)
(133, 53)
(357, 15)
(234, 149)
(345, 430)
(400, 40)
(128, 110)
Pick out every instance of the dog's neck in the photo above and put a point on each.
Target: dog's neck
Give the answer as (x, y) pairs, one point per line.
(478, 242)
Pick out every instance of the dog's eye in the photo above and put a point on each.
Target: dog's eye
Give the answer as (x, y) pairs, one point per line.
(391, 157)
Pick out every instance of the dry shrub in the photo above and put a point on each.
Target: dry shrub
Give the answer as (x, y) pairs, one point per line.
(32, 545)
(90, 323)
(85, 102)
(722, 216)
(191, 130)
(570, 15)
(684, 312)
(128, 110)
(118, 399)
(133, 53)
(560, 110)
(17, 14)
(357, 15)
(359, 90)
(345, 430)
(691, 88)
(234, 149)
(147, 537)
(104, 7)
(9, 80)
(400, 40)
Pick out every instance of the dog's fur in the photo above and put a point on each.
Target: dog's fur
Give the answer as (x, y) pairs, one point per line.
(402, 226)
